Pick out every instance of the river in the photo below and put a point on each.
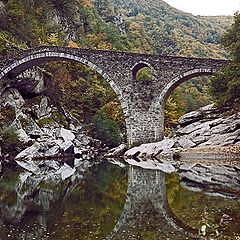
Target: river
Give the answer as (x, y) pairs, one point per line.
(120, 201)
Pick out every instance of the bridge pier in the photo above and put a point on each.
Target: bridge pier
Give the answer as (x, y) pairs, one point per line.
(144, 126)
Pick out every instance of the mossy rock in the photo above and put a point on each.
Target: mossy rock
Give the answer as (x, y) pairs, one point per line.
(59, 118)
(43, 122)
(25, 122)
(7, 115)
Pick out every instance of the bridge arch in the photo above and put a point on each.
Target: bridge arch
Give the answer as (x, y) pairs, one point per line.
(178, 80)
(35, 57)
(139, 66)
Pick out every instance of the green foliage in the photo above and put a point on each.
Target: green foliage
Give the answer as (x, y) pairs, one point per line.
(144, 74)
(9, 134)
(9, 140)
(226, 84)
(24, 121)
(196, 209)
(7, 115)
(150, 28)
(105, 129)
(189, 96)
(43, 122)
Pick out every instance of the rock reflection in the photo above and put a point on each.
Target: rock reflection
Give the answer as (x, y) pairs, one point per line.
(83, 206)
(215, 180)
(146, 214)
(100, 201)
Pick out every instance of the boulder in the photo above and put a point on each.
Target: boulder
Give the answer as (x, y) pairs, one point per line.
(30, 82)
(116, 152)
(12, 97)
(30, 152)
(66, 171)
(30, 166)
(193, 128)
(66, 134)
(222, 139)
(67, 147)
(186, 143)
(217, 180)
(151, 149)
(43, 110)
(190, 117)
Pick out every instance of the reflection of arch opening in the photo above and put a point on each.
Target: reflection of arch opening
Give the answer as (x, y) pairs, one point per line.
(150, 200)
(142, 72)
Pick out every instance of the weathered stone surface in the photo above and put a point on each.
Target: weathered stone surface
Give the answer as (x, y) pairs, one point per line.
(30, 152)
(152, 164)
(222, 131)
(217, 180)
(30, 166)
(30, 82)
(12, 97)
(186, 143)
(66, 171)
(202, 127)
(190, 118)
(150, 150)
(222, 139)
(44, 109)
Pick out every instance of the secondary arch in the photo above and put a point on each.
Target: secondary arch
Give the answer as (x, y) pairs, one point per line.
(178, 80)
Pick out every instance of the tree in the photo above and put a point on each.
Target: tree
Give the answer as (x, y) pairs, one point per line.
(226, 84)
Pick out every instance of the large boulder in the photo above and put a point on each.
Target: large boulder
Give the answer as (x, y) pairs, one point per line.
(12, 97)
(150, 150)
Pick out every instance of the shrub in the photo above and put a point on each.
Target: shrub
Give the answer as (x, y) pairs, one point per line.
(105, 129)
(10, 142)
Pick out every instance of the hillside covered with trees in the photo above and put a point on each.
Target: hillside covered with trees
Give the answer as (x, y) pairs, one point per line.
(143, 26)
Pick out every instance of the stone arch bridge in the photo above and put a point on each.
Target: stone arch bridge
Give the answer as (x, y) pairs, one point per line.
(142, 101)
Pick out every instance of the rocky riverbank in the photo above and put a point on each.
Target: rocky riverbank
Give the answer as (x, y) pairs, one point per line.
(34, 128)
(202, 134)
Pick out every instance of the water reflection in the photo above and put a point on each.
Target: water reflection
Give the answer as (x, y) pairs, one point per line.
(111, 202)
(85, 206)
(146, 213)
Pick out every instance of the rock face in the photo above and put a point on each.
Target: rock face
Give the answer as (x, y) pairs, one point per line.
(203, 128)
(36, 122)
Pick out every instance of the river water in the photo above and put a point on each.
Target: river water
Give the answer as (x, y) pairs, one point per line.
(109, 201)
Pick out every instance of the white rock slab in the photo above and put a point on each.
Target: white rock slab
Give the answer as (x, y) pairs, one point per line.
(67, 135)
(66, 171)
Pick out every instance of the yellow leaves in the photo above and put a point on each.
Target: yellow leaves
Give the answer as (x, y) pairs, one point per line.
(113, 109)
(73, 44)
(98, 41)
(53, 39)
(134, 26)
(86, 3)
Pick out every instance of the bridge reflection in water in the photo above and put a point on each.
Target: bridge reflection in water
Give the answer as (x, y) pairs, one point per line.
(146, 214)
